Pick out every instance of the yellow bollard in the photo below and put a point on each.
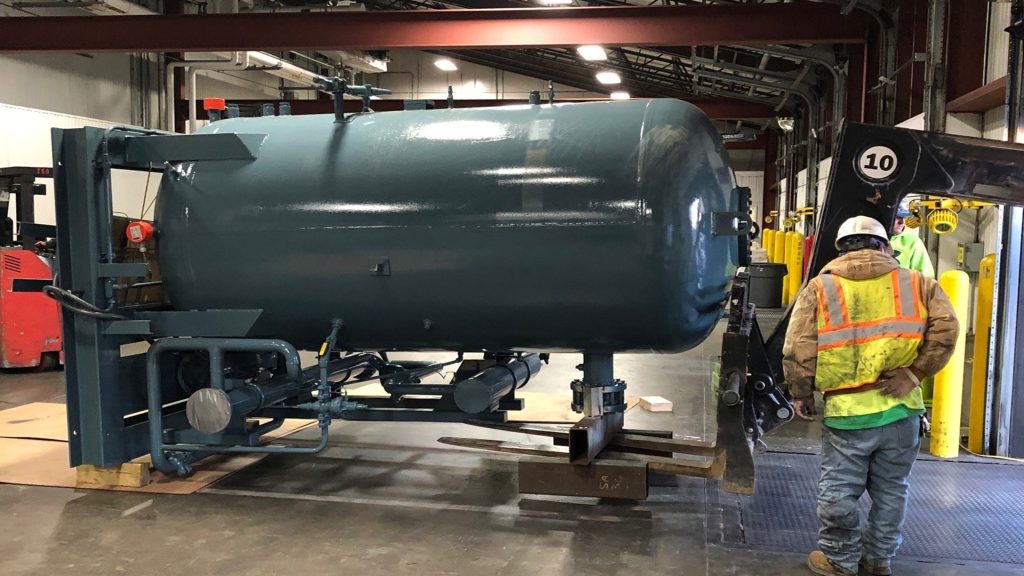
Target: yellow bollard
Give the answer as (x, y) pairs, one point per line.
(979, 367)
(947, 399)
(784, 259)
(768, 241)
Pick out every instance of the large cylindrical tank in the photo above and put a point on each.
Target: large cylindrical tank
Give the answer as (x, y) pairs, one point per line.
(557, 227)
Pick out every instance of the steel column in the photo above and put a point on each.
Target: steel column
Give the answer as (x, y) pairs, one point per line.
(752, 24)
(1008, 395)
(935, 68)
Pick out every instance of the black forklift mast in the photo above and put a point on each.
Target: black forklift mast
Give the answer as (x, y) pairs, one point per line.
(874, 167)
(18, 181)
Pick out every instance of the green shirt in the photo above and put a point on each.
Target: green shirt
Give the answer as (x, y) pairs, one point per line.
(912, 253)
(898, 412)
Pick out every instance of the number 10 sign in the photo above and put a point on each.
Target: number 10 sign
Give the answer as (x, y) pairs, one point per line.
(877, 163)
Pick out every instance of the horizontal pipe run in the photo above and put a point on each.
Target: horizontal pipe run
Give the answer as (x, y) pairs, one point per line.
(215, 347)
(481, 392)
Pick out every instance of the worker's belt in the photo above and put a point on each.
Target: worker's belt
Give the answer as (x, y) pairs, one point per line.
(864, 388)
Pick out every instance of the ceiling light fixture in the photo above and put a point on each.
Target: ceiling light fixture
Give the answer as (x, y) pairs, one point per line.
(619, 95)
(445, 64)
(592, 52)
(608, 77)
(556, 2)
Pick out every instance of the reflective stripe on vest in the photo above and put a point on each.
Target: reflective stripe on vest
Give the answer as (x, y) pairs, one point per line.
(865, 328)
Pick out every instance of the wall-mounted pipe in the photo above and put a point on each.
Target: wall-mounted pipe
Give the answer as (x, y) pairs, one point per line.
(234, 61)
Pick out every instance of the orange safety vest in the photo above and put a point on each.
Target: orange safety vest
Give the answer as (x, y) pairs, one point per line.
(865, 328)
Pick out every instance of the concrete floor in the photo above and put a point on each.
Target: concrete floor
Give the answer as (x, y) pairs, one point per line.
(387, 499)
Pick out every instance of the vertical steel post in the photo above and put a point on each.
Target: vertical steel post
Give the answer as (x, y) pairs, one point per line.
(1007, 399)
(94, 387)
(935, 68)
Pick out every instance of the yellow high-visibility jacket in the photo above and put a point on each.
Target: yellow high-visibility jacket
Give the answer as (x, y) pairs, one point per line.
(850, 338)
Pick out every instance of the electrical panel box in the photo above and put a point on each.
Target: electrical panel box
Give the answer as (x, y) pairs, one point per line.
(969, 255)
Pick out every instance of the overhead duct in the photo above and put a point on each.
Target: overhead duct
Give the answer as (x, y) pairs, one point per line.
(274, 66)
(358, 61)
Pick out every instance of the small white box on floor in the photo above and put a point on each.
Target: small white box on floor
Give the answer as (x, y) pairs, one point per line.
(655, 404)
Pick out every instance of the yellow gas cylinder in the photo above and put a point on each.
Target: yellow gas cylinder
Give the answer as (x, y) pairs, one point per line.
(768, 241)
(979, 366)
(947, 400)
(787, 245)
(780, 245)
(794, 263)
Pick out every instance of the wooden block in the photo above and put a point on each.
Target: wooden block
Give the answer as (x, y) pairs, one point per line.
(655, 404)
(128, 475)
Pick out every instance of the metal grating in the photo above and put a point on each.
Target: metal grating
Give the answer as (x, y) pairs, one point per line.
(958, 510)
(11, 263)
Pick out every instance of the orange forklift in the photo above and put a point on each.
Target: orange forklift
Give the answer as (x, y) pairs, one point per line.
(30, 330)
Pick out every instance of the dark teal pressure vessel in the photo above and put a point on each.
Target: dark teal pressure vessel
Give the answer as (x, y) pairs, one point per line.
(574, 227)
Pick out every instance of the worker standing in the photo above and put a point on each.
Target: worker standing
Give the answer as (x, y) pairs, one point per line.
(864, 333)
(908, 247)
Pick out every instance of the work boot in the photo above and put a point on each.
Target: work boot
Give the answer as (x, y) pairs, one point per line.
(820, 564)
(876, 567)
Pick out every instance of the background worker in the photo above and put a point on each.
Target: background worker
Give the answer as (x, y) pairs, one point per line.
(907, 246)
(865, 332)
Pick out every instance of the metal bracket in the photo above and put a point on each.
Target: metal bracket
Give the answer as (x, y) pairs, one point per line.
(37, 230)
(159, 149)
(206, 323)
(133, 270)
(132, 327)
(730, 224)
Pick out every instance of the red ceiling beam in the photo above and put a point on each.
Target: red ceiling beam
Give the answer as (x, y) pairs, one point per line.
(751, 24)
(714, 108)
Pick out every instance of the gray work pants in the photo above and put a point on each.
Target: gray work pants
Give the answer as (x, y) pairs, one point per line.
(875, 459)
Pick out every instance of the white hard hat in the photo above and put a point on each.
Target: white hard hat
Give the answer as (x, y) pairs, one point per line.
(861, 226)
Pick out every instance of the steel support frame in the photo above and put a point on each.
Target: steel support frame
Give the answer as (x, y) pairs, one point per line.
(434, 29)
(100, 392)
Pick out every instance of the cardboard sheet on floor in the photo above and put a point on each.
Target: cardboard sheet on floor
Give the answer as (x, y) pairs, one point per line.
(38, 420)
(34, 451)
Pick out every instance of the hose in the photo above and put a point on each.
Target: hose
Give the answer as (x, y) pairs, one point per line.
(79, 306)
(991, 457)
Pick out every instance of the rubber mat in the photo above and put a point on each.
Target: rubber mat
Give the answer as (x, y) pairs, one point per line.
(957, 511)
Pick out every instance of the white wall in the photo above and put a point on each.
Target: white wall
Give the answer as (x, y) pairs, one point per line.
(755, 181)
(94, 86)
(998, 41)
(25, 141)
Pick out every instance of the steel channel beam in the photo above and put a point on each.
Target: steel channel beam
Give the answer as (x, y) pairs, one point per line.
(590, 435)
(623, 479)
(753, 24)
(712, 107)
